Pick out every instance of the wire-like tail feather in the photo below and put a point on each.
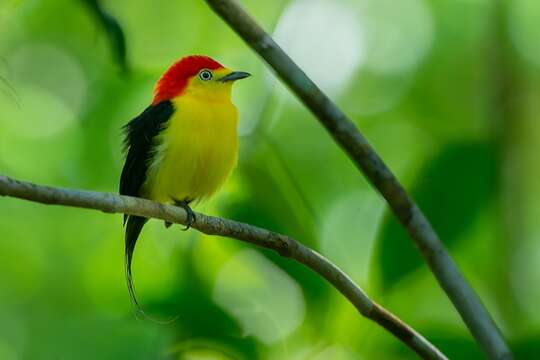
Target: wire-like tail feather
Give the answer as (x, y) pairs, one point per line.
(134, 225)
(133, 229)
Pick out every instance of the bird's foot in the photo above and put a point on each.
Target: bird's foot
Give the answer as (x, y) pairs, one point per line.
(191, 218)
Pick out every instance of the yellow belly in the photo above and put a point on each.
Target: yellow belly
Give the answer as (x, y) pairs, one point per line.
(197, 151)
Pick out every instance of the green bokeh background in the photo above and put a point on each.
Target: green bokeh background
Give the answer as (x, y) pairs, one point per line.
(446, 91)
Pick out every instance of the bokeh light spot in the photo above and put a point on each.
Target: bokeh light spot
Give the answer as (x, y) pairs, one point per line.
(324, 38)
(398, 34)
(38, 114)
(264, 299)
(523, 29)
(51, 69)
(349, 232)
(7, 352)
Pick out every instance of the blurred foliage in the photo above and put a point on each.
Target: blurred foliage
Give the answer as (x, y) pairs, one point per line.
(454, 187)
(418, 78)
(114, 31)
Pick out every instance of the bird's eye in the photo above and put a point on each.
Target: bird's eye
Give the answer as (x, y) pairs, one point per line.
(205, 75)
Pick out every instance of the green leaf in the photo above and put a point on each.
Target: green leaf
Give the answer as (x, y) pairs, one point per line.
(453, 345)
(452, 342)
(527, 347)
(451, 189)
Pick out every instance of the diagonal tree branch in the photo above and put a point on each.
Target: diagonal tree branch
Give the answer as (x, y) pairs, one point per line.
(345, 133)
(282, 244)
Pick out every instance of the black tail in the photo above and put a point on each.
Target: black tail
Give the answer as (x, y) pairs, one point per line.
(133, 229)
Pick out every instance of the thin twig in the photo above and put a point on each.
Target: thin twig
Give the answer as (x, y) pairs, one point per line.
(345, 133)
(282, 244)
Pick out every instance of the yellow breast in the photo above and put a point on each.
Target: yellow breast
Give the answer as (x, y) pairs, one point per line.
(197, 151)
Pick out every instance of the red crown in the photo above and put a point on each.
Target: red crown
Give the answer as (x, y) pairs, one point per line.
(175, 79)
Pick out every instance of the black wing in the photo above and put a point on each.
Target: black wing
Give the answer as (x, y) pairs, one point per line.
(139, 144)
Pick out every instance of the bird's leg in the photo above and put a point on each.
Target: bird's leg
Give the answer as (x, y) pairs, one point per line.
(191, 218)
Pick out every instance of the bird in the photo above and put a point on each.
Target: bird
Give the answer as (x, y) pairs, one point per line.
(183, 147)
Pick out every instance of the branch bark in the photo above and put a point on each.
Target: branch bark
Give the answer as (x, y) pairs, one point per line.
(282, 244)
(345, 133)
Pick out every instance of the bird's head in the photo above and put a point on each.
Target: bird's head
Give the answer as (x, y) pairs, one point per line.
(199, 76)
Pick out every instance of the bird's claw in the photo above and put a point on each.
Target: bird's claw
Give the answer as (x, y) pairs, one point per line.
(191, 218)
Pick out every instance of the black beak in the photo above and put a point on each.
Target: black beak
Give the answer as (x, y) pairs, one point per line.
(235, 75)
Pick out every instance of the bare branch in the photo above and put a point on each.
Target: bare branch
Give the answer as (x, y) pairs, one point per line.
(282, 244)
(345, 133)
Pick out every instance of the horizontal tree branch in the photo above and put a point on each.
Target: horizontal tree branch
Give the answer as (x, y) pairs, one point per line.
(346, 134)
(282, 244)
